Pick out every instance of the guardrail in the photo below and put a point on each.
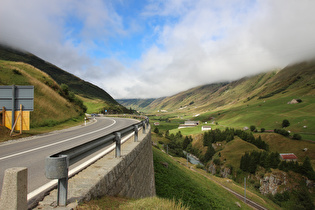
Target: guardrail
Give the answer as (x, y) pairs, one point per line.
(56, 166)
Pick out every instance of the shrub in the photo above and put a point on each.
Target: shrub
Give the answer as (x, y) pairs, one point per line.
(200, 166)
(285, 123)
(262, 130)
(217, 161)
(156, 130)
(17, 72)
(252, 127)
(297, 136)
(282, 132)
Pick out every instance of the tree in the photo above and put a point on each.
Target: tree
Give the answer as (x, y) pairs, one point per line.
(252, 127)
(64, 89)
(210, 152)
(167, 134)
(262, 130)
(307, 169)
(186, 142)
(285, 123)
(297, 136)
(156, 130)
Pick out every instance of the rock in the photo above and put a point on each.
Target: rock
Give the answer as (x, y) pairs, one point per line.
(294, 101)
(238, 204)
(165, 164)
(212, 168)
(225, 172)
(271, 183)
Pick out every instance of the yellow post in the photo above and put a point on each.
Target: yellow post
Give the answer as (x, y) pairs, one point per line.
(21, 120)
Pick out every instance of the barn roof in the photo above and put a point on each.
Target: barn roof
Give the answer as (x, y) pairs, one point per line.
(288, 156)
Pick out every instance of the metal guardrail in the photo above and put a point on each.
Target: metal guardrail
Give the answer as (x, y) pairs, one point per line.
(56, 166)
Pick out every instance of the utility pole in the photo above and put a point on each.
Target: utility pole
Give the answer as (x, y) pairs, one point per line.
(245, 189)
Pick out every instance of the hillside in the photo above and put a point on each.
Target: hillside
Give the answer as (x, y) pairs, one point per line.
(77, 85)
(259, 100)
(292, 80)
(136, 104)
(50, 107)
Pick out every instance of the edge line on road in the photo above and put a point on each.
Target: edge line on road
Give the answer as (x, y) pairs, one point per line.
(59, 142)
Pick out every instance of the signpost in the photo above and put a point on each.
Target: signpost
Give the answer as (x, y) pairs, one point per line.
(13, 99)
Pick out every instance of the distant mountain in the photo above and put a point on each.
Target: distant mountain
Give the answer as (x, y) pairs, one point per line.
(77, 85)
(297, 79)
(136, 104)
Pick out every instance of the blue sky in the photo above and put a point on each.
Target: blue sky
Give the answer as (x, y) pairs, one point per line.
(155, 48)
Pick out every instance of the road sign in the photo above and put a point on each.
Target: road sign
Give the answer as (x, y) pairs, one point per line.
(11, 97)
(16, 98)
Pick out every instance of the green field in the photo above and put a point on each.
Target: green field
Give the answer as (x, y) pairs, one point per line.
(197, 192)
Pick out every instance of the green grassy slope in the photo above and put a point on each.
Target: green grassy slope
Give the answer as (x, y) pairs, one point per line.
(179, 183)
(294, 81)
(259, 100)
(50, 108)
(136, 104)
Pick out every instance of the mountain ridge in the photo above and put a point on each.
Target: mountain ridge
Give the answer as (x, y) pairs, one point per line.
(264, 85)
(77, 85)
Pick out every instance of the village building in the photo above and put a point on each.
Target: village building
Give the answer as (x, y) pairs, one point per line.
(206, 128)
(288, 157)
(188, 124)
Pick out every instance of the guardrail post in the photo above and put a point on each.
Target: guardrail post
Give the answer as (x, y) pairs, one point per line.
(57, 168)
(143, 125)
(118, 143)
(136, 132)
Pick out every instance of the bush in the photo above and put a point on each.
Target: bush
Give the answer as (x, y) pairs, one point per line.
(156, 130)
(252, 127)
(282, 132)
(262, 130)
(200, 166)
(297, 136)
(285, 123)
(217, 161)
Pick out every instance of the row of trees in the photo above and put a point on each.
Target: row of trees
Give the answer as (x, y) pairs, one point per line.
(251, 161)
(217, 135)
(228, 134)
(249, 137)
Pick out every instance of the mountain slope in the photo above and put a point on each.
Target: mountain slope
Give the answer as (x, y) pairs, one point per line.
(298, 78)
(50, 108)
(136, 104)
(77, 85)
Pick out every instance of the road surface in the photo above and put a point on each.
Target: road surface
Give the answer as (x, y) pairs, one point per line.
(32, 152)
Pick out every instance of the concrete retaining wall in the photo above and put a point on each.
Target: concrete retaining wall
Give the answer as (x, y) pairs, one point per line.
(131, 175)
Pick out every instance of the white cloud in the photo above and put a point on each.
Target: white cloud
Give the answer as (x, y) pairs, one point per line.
(197, 41)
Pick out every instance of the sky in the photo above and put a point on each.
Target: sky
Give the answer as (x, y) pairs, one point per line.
(157, 48)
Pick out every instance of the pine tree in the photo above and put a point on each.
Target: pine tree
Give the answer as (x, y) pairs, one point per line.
(307, 169)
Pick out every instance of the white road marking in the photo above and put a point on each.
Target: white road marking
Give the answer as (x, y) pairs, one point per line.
(38, 148)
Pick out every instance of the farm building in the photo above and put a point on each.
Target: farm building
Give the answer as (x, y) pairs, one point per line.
(206, 128)
(288, 157)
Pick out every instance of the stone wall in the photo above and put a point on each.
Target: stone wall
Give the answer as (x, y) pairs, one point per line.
(131, 175)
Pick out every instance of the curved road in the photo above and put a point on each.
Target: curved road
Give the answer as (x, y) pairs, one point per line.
(32, 152)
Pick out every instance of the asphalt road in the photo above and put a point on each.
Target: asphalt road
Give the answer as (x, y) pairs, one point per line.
(32, 152)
